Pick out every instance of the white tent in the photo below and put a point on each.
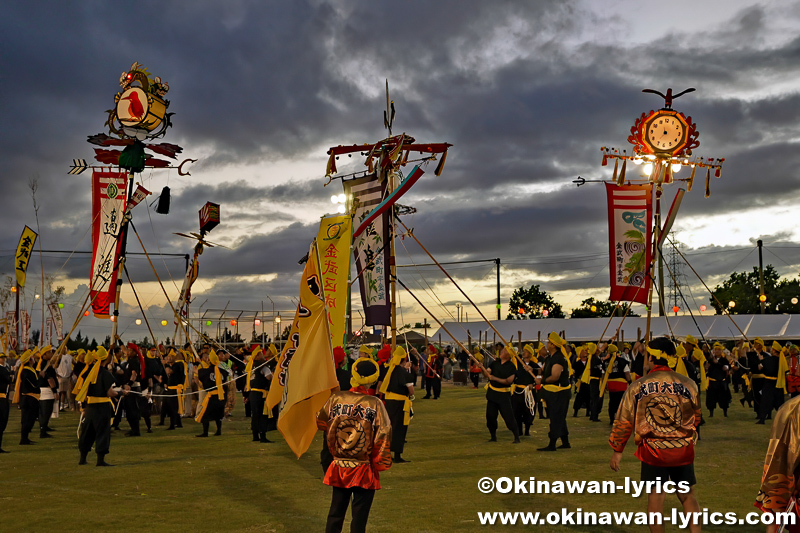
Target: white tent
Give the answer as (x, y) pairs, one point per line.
(709, 327)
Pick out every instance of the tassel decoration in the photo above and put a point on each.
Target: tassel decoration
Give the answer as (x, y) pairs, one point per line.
(621, 178)
(163, 202)
(330, 169)
(708, 183)
(691, 178)
(614, 175)
(440, 166)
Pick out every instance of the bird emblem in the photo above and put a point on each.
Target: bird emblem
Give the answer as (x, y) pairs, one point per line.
(135, 106)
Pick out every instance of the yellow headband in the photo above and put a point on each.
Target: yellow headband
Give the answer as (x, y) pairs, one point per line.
(591, 348)
(357, 379)
(25, 357)
(758, 340)
(530, 349)
(273, 350)
(776, 346)
(556, 339)
(255, 353)
(658, 354)
(398, 355)
(691, 340)
(213, 358)
(612, 348)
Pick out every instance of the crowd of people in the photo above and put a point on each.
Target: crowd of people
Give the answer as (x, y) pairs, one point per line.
(171, 383)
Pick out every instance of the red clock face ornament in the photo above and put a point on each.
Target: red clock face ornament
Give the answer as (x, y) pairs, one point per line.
(664, 133)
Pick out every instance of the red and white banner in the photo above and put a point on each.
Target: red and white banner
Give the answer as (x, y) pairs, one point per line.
(630, 231)
(109, 193)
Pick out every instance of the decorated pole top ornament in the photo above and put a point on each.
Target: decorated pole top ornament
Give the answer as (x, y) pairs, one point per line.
(140, 110)
(663, 143)
(139, 114)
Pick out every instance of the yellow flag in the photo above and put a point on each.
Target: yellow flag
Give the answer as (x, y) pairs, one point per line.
(305, 375)
(333, 239)
(23, 255)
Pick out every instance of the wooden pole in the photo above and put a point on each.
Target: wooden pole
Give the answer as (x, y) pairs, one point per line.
(469, 341)
(519, 344)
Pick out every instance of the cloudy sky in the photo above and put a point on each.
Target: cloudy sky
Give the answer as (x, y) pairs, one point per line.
(527, 92)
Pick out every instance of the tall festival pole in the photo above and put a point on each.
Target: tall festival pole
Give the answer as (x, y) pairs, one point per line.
(663, 141)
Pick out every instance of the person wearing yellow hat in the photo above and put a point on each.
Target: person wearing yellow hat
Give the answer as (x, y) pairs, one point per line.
(5, 383)
(96, 395)
(718, 394)
(213, 407)
(597, 371)
(48, 390)
(754, 358)
(398, 390)
(257, 382)
(663, 409)
(474, 368)
(26, 394)
(176, 379)
(359, 435)
(582, 397)
(617, 379)
(556, 391)
(525, 380)
(433, 373)
(774, 368)
(501, 375)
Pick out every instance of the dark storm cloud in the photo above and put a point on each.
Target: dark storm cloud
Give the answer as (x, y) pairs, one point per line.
(525, 97)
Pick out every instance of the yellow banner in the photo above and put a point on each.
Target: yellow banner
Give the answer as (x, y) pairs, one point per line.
(334, 255)
(24, 250)
(305, 373)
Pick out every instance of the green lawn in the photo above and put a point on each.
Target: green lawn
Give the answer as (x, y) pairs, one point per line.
(171, 481)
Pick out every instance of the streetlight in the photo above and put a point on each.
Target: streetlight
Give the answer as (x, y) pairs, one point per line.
(339, 200)
(731, 304)
(138, 321)
(794, 301)
(458, 311)
(277, 327)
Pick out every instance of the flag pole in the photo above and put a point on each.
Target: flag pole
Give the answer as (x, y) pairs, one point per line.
(651, 267)
(121, 267)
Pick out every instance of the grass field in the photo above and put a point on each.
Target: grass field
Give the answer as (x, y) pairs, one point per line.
(171, 481)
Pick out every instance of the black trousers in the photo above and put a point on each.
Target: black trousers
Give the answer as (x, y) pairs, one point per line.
(131, 405)
(45, 411)
(4, 409)
(595, 400)
(340, 501)
(557, 407)
(582, 399)
(435, 384)
(614, 399)
(145, 408)
(718, 394)
(399, 429)
(172, 412)
(30, 412)
(758, 386)
(500, 402)
(119, 410)
(96, 429)
(771, 398)
(522, 415)
(258, 420)
(475, 377)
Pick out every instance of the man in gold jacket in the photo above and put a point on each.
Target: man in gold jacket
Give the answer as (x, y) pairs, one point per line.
(662, 410)
(358, 433)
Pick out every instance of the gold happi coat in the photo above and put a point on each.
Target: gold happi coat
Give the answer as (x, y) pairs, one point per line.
(359, 433)
(781, 465)
(662, 411)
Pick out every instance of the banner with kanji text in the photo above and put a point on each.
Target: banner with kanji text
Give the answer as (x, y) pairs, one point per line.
(630, 231)
(109, 198)
(333, 241)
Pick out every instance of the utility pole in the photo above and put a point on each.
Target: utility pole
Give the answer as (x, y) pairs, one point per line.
(761, 300)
